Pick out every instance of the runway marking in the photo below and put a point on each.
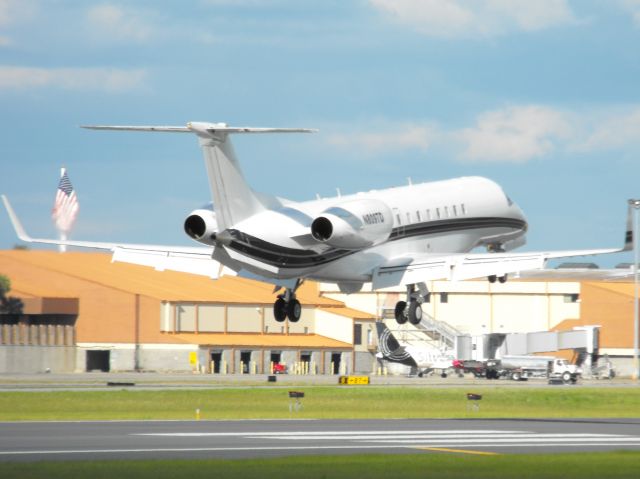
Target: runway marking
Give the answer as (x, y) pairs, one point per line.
(315, 434)
(462, 451)
(274, 448)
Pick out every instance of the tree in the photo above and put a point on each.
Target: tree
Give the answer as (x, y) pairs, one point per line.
(9, 305)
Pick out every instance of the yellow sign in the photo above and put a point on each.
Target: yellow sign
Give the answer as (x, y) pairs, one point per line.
(353, 380)
(193, 358)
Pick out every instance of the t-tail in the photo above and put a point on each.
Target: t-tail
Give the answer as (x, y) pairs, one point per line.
(234, 200)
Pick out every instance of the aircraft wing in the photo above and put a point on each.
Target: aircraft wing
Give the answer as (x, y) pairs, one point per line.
(458, 267)
(411, 269)
(195, 260)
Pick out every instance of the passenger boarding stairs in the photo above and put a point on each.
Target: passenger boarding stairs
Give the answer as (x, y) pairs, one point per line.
(429, 332)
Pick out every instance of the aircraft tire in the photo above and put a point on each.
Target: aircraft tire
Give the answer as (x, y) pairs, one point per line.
(415, 312)
(280, 310)
(399, 312)
(294, 310)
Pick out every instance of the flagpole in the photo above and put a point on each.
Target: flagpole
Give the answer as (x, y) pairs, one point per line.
(63, 236)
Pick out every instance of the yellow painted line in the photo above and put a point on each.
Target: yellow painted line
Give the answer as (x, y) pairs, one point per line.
(463, 451)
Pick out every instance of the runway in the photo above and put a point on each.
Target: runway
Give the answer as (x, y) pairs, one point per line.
(110, 440)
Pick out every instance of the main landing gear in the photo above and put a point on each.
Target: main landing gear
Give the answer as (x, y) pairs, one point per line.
(287, 306)
(411, 309)
(493, 278)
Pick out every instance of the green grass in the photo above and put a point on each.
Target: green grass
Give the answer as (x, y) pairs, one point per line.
(320, 402)
(406, 466)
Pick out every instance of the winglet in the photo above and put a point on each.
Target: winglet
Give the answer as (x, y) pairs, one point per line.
(22, 234)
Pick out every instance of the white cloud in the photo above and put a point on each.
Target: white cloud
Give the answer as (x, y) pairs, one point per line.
(13, 12)
(472, 18)
(633, 8)
(515, 134)
(611, 130)
(403, 137)
(89, 79)
(118, 23)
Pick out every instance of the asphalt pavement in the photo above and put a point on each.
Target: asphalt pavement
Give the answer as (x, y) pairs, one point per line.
(109, 440)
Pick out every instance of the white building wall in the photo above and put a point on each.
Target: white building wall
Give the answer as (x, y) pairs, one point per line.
(334, 326)
(479, 307)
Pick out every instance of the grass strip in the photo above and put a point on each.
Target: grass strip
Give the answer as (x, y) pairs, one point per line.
(323, 402)
(612, 465)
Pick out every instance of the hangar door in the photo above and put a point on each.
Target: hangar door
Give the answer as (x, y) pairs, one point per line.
(98, 360)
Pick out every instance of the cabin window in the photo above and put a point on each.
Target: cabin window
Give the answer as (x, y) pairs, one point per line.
(418, 216)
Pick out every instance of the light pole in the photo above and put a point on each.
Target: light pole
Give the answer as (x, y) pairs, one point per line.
(635, 204)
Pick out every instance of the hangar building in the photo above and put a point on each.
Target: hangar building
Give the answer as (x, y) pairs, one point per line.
(82, 312)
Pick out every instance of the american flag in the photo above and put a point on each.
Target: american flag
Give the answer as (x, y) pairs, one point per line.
(65, 207)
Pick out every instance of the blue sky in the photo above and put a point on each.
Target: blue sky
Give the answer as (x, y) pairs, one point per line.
(542, 97)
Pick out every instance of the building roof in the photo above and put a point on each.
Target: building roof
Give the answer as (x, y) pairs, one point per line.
(296, 341)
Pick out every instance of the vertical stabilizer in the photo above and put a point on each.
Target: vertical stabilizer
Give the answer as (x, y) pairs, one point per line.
(233, 199)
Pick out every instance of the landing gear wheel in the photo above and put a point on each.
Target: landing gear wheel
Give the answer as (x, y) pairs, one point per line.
(399, 312)
(280, 310)
(492, 278)
(294, 310)
(415, 312)
(502, 279)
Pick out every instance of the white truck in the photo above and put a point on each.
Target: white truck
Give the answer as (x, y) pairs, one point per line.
(561, 370)
(521, 368)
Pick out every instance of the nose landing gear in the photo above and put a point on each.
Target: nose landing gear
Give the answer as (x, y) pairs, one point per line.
(411, 309)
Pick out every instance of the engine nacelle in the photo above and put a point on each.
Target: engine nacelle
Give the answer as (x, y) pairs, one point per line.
(354, 224)
(201, 225)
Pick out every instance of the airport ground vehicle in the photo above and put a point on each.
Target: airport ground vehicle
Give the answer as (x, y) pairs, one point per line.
(521, 368)
(560, 369)
(279, 368)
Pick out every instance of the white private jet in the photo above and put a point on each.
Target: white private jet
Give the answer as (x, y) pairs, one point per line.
(397, 236)
(422, 359)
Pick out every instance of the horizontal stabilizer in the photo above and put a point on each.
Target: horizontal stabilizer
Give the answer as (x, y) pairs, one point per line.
(199, 127)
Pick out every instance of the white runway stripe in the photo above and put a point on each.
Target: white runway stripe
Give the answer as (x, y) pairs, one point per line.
(435, 437)
(314, 434)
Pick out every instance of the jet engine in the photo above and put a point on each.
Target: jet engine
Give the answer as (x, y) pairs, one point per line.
(201, 225)
(354, 224)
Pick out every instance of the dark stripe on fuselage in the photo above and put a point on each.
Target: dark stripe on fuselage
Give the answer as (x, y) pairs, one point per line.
(283, 257)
